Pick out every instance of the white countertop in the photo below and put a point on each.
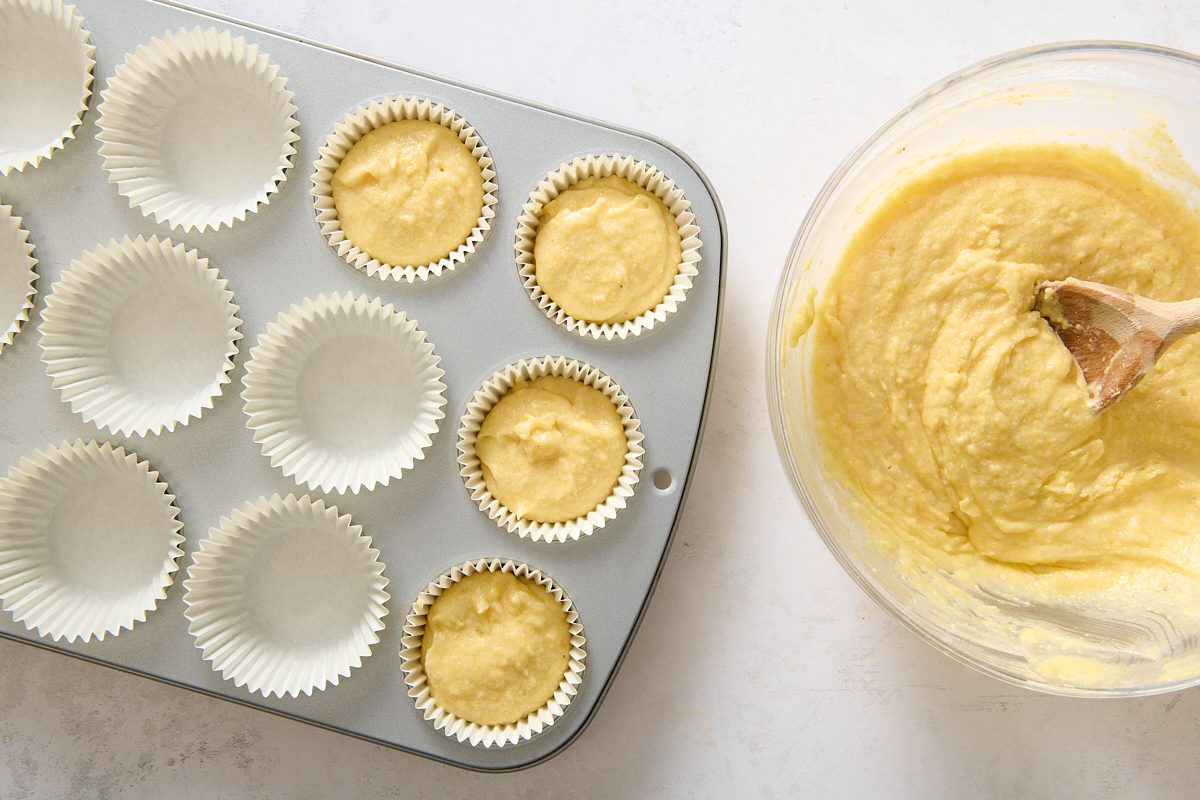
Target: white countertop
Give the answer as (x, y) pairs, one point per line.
(760, 669)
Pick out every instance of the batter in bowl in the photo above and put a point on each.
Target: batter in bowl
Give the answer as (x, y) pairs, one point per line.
(959, 421)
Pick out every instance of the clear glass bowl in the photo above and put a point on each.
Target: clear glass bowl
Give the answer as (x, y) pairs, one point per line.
(1098, 92)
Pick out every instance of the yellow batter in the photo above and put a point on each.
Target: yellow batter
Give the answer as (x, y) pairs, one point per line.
(495, 648)
(958, 419)
(408, 193)
(552, 449)
(607, 250)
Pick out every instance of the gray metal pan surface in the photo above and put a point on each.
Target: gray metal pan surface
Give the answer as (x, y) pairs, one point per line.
(479, 318)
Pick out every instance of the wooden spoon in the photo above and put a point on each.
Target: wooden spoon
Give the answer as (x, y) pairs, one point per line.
(1115, 336)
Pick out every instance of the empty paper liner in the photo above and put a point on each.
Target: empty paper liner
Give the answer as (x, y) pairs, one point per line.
(197, 128)
(140, 335)
(285, 596)
(18, 276)
(89, 538)
(45, 79)
(343, 393)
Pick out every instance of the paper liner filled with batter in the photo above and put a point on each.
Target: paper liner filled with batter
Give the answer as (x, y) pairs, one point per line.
(641, 174)
(362, 121)
(489, 735)
(471, 469)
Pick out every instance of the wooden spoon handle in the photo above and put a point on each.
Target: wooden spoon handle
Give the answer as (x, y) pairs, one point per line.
(1185, 319)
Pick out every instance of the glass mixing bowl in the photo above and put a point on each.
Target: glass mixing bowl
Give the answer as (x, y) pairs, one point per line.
(1108, 93)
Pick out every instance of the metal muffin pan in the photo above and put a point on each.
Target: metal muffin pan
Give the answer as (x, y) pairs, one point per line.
(479, 318)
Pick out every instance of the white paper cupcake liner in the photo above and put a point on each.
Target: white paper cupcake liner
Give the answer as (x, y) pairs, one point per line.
(456, 727)
(362, 121)
(645, 176)
(18, 276)
(500, 384)
(140, 335)
(343, 393)
(285, 596)
(45, 79)
(89, 539)
(197, 129)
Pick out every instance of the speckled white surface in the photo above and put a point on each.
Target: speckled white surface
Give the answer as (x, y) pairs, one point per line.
(760, 671)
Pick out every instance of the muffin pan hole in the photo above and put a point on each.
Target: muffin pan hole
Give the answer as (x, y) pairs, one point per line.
(663, 480)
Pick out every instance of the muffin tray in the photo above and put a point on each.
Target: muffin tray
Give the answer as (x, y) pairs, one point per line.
(479, 318)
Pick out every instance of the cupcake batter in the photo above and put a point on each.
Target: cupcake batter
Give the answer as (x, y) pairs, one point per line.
(408, 193)
(552, 449)
(495, 648)
(959, 420)
(607, 250)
